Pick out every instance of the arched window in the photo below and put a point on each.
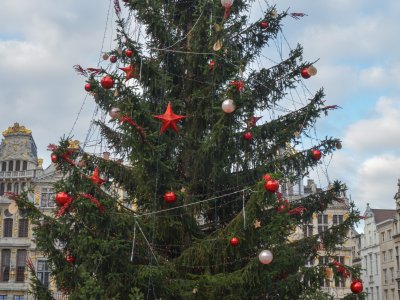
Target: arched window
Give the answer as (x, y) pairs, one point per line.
(9, 187)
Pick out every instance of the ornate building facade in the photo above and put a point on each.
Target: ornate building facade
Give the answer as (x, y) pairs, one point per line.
(21, 169)
(334, 214)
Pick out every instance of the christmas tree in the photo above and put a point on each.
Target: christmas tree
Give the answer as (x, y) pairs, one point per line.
(201, 214)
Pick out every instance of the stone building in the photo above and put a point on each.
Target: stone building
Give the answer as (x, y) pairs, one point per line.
(376, 242)
(21, 170)
(335, 214)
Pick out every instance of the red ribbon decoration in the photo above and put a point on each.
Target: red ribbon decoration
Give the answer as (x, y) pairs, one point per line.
(227, 11)
(139, 129)
(94, 201)
(239, 85)
(297, 211)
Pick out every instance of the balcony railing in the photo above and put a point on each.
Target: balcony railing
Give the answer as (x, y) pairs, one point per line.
(17, 174)
(60, 296)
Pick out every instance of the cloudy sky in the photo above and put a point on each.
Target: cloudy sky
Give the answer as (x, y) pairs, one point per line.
(355, 41)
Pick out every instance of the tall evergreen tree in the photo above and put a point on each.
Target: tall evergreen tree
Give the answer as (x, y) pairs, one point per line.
(198, 169)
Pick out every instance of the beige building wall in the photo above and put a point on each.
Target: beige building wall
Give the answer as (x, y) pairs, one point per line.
(387, 257)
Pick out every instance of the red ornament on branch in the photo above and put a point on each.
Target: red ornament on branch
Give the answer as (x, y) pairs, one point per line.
(54, 158)
(70, 259)
(267, 177)
(272, 186)
(128, 53)
(169, 119)
(169, 197)
(88, 87)
(357, 286)
(247, 135)
(113, 59)
(234, 241)
(304, 73)
(63, 198)
(316, 154)
(264, 24)
(107, 82)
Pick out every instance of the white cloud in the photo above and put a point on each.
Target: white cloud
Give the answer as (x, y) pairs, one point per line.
(377, 181)
(378, 133)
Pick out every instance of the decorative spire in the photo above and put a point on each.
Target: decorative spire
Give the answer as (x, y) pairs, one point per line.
(397, 195)
(16, 129)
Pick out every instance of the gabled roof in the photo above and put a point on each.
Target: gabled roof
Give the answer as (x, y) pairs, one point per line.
(381, 215)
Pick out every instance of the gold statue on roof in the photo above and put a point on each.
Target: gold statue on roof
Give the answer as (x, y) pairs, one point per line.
(16, 129)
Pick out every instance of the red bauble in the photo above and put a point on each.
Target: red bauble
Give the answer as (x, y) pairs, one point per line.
(107, 82)
(70, 259)
(357, 286)
(264, 24)
(234, 241)
(88, 87)
(304, 73)
(248, 136)
(267, 177)
(316, 154)
(62, 198)
(54, 158)
(129, 53)
(169, 197)
(272, 186)
(113, 58)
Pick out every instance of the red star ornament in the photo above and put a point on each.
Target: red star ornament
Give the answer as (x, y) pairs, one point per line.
(96, 178)
(252, 121)
(130, 72)
(169, 119)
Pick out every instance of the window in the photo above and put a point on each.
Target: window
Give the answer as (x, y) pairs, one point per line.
(3, 297)
(23, 228)
(10, 165)
(16, 188)
(386, 294)
(340, 282)
(5, 264)
(337, 219)
(384, 256)
(372, 293)
(392, 275)
(9, 187)
(366, 264)
(4, 166)
(7, 227)
(18, 297)
(384, 275)
(323, 260)
(47, 197)
(308, 230)
(382, 236)
(370, 262)
(376, 263)
(24, 165)
(322, 223)
(43, 272)
(339, 259)
(389, 234)
(390, 254)
(21, 257)
(2, 189)
(18, 165)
